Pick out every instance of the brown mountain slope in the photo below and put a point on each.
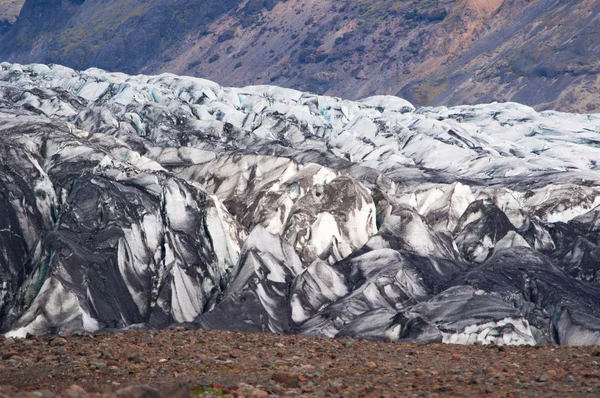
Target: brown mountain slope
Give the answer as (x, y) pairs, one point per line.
(9, 10)
(544, 53)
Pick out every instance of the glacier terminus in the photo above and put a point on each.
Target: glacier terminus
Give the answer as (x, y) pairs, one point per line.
(147, 201)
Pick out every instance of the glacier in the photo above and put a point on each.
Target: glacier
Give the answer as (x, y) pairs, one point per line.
(148, 201)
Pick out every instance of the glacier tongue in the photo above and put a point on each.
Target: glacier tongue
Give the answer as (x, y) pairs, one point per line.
(165, 199)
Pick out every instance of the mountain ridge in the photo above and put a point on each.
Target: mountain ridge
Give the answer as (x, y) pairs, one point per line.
(541, 53)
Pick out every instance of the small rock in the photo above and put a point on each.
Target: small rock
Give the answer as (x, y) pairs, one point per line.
(147, 338)
(361, 75)
(140, 391)
(35, 394)
(9, 341)
(288, 380)
(75, 391)
(370, 364)
(569, 379)
(542, 378)
(45, 394)
(258, 394)
(99, 365)
(179, 390)
(134, 357)
(58, 341)
(419, 372)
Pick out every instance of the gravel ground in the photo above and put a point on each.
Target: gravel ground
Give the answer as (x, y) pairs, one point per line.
(182, 363)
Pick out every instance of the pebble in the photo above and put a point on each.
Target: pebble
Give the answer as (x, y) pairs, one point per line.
(58, 341)
(99, 365)
(9, 341)
(288, 380)
(542, 378)
(135, 357)
(258, 394)
(139, 391)
(75, 391)
(37, 394)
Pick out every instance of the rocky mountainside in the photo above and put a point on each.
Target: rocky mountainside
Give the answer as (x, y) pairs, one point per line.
(152, 200)
(542, 53)
(9, 10)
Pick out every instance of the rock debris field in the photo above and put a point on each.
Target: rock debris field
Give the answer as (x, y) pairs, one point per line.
(182, 363)
(186, 363)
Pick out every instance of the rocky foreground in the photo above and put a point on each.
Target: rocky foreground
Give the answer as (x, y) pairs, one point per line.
(182, 363)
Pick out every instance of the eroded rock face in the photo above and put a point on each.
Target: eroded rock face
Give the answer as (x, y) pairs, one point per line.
(154, 200)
